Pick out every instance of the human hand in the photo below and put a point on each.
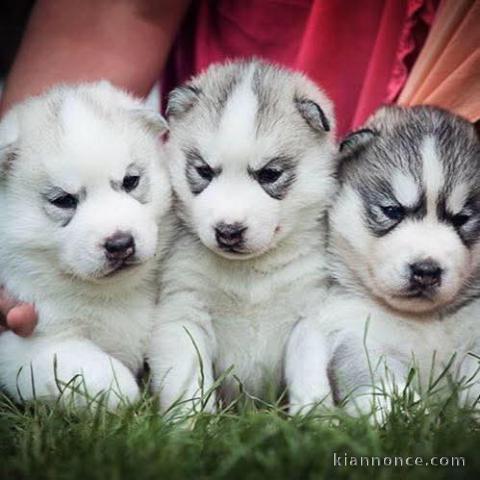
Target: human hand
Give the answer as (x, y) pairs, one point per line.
(21, 318)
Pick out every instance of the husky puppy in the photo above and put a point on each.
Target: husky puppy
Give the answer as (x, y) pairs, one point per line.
(83, 189)
(251, 152)
(405, 252)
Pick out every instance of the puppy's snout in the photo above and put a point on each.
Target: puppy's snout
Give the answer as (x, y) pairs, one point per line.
(425, 274)
(120, 246)
(230, 234)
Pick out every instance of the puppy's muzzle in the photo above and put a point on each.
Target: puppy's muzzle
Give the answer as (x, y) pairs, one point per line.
(230, 236)
(425, 275)
(119, 247)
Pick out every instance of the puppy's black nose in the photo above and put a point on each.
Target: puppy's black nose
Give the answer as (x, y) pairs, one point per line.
(426, 273)
(229, 234)
(120, 246)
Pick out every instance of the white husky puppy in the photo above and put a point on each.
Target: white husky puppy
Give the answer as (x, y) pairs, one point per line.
(405, 246)
(83, 189)
(251, 153)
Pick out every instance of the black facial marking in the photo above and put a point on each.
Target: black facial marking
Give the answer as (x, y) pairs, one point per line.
(135, 183)
(460, 219)
(130, 182)
(268, 175)
(276, 177)
(199, 174)
(393, 212)
(466, 222)
(60, 206)
(383, 211)
(65, 201)
(376, 197)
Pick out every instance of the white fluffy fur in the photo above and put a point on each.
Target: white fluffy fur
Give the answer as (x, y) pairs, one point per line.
(83, 140)
(250, 312)
(369, 350)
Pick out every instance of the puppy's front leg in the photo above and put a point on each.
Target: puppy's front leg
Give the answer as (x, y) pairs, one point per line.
(181, 354)
(367, 380)
(73, 370)
(306, 367)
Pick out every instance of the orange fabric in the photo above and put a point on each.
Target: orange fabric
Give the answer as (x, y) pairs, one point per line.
(447, 71)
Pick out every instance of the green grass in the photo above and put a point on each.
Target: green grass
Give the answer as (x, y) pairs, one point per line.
(245, 442)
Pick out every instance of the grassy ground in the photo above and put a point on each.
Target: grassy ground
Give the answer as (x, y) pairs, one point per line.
(247, 442)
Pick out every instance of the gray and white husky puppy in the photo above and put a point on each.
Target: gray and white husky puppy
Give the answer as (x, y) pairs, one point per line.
(405, 253)
(251, 154)
(85, 207)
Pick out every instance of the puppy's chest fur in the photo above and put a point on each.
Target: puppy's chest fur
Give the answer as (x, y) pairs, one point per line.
(119, 324)
(119, 327)
(431, 343)
(252, 324)
(253, 307)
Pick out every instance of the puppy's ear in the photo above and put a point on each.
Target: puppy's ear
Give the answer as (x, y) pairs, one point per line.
(355, 141)
(151, 121)
(181, 100)
(313, 114)
(8, 143)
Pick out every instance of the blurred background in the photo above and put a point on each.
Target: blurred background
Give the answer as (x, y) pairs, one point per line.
(13, 18)
(402, 51)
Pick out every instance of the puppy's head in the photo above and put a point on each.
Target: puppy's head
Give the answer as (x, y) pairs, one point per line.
(407, 218)
(82, 181)
(251, 152)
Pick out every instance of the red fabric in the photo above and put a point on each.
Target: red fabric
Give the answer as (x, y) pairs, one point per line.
(359, 52)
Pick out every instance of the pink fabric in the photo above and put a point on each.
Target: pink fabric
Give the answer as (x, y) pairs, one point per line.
(359, 52)
(419, 13)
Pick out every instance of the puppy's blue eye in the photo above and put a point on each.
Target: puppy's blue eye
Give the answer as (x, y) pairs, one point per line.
(130, 182)
(66, 201)
(268, 175)
(205, 172)
(460, 219)
(393, 212)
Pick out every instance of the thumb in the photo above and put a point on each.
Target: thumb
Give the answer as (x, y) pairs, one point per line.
(22, 319)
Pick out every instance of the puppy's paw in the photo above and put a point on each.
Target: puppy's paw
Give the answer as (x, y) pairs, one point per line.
(378, 404)
(119, 388)
(76, 375)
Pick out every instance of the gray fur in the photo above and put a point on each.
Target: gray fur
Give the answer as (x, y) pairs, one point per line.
(278, 97)
(284, 104)
(7, 159)
(313, 114)
(181, 100)
(390, 143)
(142, 191)
(206, 92)
(194, 163)
(59, 215)
(278, 189)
